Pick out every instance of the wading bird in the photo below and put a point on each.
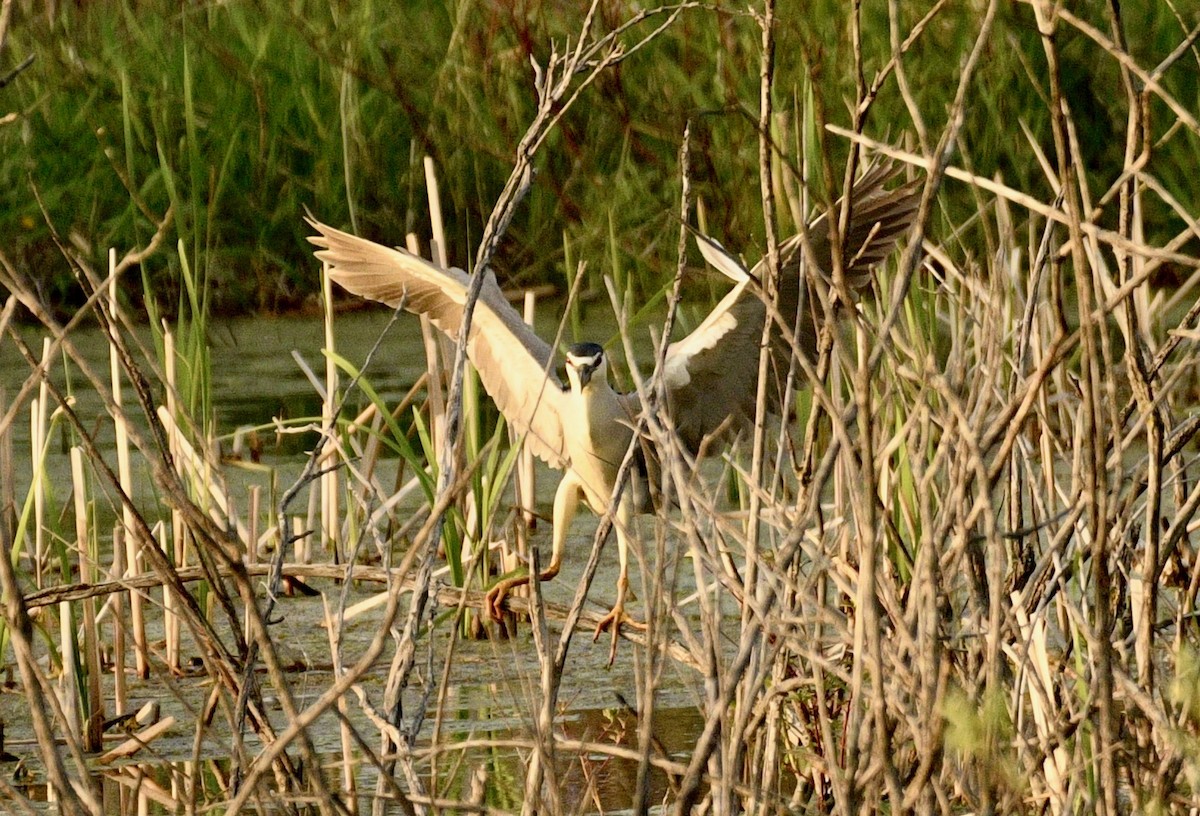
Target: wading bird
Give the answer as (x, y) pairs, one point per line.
(583, 427)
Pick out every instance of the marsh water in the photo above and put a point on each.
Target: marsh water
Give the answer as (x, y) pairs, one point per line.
(490, 690)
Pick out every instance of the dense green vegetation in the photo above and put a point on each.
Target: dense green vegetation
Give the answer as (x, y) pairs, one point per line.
(245, 113)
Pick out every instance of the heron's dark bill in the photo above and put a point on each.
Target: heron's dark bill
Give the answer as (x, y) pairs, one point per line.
(585, 369)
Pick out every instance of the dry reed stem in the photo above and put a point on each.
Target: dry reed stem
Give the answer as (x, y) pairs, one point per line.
(44, 708)
(141, 651)
(171, 622)
(218, 659)
(137, 742)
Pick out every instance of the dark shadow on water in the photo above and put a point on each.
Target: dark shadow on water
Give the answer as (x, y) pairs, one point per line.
(588, 781)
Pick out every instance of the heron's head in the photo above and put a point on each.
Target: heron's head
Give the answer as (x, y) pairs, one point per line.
(585, 360)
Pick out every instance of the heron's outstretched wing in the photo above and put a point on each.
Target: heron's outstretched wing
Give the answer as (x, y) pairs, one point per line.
(514, 364)
(711, 375)
(878, 218)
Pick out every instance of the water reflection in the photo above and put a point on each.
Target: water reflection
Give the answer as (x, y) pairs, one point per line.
(489, 771)
(254, 375)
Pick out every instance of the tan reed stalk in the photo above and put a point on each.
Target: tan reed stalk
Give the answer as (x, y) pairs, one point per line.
(433, 355)
(449, 489)
(312, 510)
(125, 477)
(137, 742)
(439, 362)
(39, 409)
(361, 458)
(333, 629)
(370, 455)
(171, 622)
(218, 656)
(171, 645)
(1094, 428)
(301, 552)
(200, 471)
(252, 524)
(117, 573)
(68, 681)
(8, 499)
(135, 781)
(437, 348)
(330, 479)
(86, 551)
(1136, 325)
(36, 455)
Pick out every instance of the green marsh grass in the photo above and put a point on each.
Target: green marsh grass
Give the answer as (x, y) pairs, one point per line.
(240, 116)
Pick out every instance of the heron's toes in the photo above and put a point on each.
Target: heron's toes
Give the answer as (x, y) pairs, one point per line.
(493, 602)
(612, 623)
(612, 648)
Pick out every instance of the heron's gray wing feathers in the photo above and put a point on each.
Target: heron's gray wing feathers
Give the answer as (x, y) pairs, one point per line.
(514, 364)
(878, 218)
(711, 375)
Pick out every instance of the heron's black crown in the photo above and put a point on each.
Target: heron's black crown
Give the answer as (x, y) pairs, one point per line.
(586, 350)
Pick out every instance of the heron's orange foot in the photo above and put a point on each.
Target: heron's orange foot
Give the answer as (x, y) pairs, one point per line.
(494, 602)
(612, 622)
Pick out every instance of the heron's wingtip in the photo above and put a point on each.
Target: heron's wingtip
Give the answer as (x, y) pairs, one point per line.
(720, 258)
(326, 233)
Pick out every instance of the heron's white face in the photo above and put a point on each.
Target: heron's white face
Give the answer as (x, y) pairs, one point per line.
(584, 361)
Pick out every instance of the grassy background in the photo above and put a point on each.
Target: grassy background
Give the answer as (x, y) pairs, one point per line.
(245, 113)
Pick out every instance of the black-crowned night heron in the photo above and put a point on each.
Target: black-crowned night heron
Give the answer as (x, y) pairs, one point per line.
(584, 427)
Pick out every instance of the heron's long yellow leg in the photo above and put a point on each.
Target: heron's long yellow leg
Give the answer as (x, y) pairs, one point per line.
(566, 503)
(616, 617)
